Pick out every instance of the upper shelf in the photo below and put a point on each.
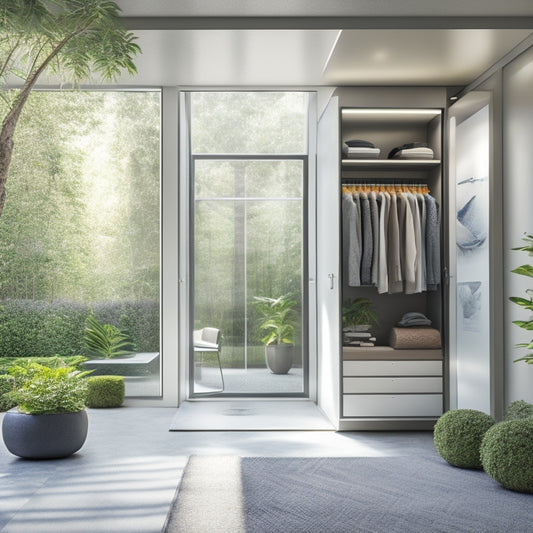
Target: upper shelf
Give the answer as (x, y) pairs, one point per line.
(391, 164)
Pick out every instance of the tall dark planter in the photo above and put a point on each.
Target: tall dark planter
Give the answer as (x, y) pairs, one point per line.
(44, 436)
(279, 357)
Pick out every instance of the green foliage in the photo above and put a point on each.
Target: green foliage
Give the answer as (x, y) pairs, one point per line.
(359, 311)
(507, 454)
(56, 361)
(105, 340)
(278, 319)
(69, 37)
(105, 391)
(518, 410)
(41, 329)
(526, 303)
(43, 390)
(7, 384)
(458, 434)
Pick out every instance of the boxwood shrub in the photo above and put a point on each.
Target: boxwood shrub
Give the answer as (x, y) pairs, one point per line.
(42, 329)
(458, 434)
(507, 454)
(105, 391)
(518, 410)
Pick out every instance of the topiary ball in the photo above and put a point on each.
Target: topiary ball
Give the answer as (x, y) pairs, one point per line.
(105, 391)
(518, 410)
(458, 434)
(507, 454)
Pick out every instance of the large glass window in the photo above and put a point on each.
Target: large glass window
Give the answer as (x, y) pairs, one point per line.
(249, 169)
(80, 230)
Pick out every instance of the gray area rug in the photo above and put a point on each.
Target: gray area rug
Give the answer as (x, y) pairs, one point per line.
(337, 495)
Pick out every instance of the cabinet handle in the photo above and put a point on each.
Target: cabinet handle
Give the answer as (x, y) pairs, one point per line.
(331, 281)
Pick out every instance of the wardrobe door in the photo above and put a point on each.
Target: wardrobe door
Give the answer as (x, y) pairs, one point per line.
(470, 260)
(328, 254)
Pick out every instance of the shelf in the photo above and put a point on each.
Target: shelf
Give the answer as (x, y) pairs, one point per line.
(390, 164)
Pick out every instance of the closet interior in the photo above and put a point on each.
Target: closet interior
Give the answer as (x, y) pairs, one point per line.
(392, 241)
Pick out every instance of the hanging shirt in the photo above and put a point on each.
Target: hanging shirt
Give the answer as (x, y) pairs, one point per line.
(422, 211)
(408, 243)
(374, 216)
(413, 204)
(383, 276)
(351, 244)
(366, 260)
(393, 248)
(432, 243)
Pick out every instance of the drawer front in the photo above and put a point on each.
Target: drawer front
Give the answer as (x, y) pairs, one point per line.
(392, 385)
(388, 405)
(392, 368)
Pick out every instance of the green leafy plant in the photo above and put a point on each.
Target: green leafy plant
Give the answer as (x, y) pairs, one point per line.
(506, 452)
(105, 391)
(458, 435)
(71, 38)
(359, 311)
(39, 389)
(278, 319)
(526, 303)
(518, 410)
(105, 340)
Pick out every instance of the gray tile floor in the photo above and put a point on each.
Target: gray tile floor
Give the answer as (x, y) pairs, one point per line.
(125, 476)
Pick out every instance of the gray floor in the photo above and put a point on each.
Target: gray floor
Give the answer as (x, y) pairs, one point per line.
(125, 476)
(264, 415)
(250, 380)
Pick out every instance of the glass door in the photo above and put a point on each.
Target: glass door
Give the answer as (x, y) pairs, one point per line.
(248, 260)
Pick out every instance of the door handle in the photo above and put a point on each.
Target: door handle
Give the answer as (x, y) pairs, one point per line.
(331, 281)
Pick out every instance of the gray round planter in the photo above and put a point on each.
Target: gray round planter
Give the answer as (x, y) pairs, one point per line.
(279, 357)
(44, 436)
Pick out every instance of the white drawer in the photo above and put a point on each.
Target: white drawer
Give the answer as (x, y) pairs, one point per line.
(392, 368)
(388, 405)
(392, 385)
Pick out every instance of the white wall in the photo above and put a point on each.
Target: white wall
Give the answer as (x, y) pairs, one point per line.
(518, 214)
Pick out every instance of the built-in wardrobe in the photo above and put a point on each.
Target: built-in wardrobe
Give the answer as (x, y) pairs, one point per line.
(383, 384)
(374, 385)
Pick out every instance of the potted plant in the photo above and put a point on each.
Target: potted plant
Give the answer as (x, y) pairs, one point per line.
(359, 315)
(526, 303)
(278, 318)
(50, 420)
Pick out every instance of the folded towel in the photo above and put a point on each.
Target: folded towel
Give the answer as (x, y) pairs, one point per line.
(359, 143)
(414, 319)
(411, 151)
(415, 338)
(361, 153)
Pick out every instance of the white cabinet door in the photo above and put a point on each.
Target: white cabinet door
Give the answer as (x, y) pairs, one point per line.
(328, 261)
(470, 259)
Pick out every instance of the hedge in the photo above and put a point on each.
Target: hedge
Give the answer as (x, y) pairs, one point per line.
(105, 391)
(31, 328)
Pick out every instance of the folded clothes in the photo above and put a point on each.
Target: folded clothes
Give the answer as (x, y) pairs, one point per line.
(358, 143)
(414, 319)
(415, 338)
(415, 153)
(411, 151)
(360, 152)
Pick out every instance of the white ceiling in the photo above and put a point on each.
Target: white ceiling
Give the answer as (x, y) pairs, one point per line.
(417, 57)
(214, 52)
(318, 57)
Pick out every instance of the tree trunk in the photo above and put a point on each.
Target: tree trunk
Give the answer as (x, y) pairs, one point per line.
(6, 150)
